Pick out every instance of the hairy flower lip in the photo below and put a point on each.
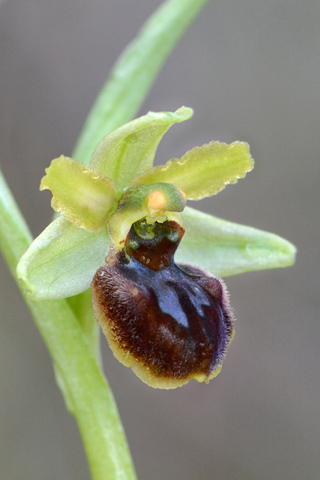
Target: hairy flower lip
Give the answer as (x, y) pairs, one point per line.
(170, 324)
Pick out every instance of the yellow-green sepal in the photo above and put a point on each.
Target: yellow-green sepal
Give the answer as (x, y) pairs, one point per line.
(62, 260)
(83, 196)
(226, 248)
(203, 171)
(129, 150)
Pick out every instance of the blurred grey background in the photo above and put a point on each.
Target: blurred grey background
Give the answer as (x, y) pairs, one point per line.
(250, 69)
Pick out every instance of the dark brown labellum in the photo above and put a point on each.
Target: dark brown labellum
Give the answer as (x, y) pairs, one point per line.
(169, 322)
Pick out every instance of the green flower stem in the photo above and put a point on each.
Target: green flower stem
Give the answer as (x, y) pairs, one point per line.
(81, 306)
(86, 391)
(135, 71)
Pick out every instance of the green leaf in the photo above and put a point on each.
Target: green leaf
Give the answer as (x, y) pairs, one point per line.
(62, 260)
(135, 71)
(82, 196)
(130, 149)
(226, 248)
(15, 236)
(203, 171)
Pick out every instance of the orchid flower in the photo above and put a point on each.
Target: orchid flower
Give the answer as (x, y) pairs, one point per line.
(122, 220)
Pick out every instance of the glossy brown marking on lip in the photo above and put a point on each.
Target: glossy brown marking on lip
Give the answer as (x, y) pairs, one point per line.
(154, 245)
(170, 323)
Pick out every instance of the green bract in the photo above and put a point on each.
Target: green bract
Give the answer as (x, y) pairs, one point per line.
(100, 203)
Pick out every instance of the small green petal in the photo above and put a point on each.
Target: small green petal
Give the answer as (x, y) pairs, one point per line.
(203, 171)
(129, 150)
(151, 201)
(62, 260)
(226, 248)
(83, 196)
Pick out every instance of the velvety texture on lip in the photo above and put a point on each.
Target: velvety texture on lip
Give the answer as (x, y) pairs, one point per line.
(169, 322)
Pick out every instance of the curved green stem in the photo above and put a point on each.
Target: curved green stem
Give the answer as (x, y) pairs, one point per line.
(86, 391)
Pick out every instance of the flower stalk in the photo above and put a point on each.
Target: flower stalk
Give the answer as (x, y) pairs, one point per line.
(86, 391)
